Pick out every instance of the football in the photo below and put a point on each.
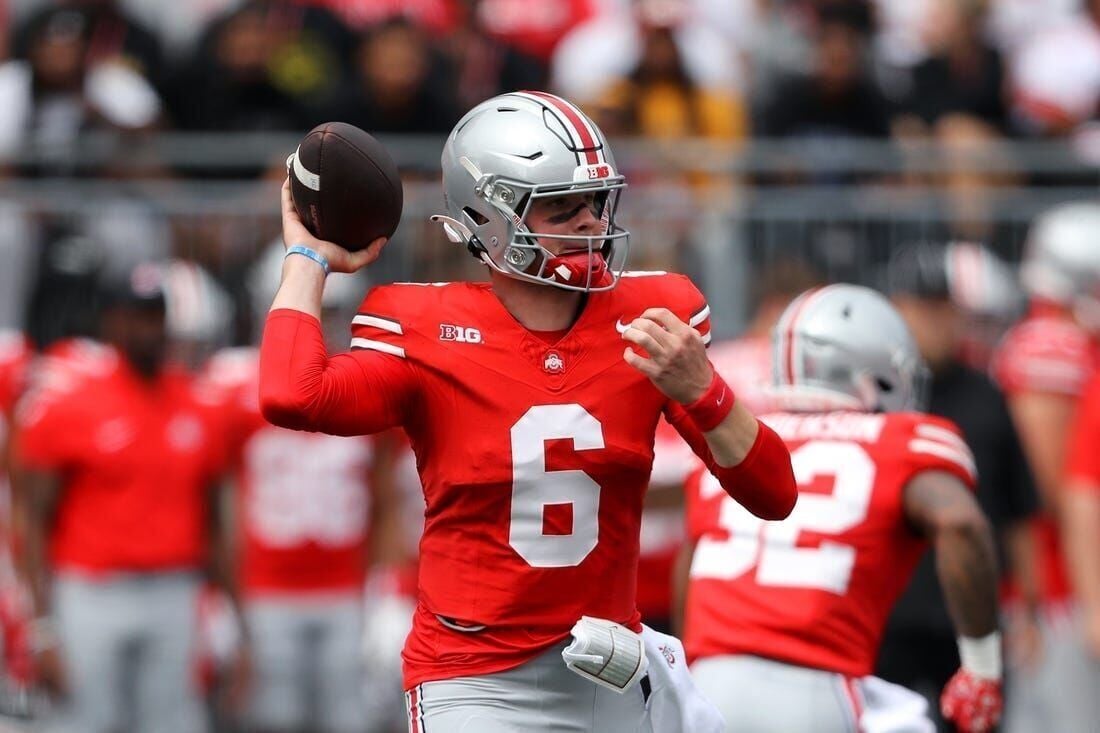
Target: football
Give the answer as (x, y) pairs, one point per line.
(345, 186)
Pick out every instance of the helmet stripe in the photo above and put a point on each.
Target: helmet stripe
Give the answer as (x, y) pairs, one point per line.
(790, 334)
(584, 136)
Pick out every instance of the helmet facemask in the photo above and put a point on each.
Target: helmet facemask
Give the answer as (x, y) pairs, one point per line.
(497, 232)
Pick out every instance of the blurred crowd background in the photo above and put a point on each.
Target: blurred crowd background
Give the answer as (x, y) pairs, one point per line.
(768, 145)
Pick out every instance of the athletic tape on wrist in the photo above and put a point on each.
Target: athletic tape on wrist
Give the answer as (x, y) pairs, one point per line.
(301, 249)
(982, 656)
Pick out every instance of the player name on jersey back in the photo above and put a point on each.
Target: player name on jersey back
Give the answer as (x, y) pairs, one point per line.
(859, 427)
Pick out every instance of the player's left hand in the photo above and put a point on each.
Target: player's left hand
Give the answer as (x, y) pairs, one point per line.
(677, 361)
(973, 703)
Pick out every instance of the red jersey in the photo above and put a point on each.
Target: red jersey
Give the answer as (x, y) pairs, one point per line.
(303, 499)
(1047, 353)
(1082, 457)
(15, 356)
(136, 458)
(815, 590)
(533, 456)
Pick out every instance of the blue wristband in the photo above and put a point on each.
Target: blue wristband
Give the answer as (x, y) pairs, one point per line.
(301, 249)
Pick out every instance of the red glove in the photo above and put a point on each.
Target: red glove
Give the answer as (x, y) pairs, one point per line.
(973, 703)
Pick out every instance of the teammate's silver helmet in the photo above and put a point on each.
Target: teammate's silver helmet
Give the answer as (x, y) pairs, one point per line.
(1062, 260)
(511, 150)
(845, 347)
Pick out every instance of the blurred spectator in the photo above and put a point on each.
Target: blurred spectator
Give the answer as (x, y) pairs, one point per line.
(120, 450)
(533, 28)
(177, 24)
(610, 45)
(659, 99)
(5, 29)
(482, 66)
(919, 649)
(1012, 23)
(837, 97)
(437, 16)
(113, 36)
(963, 74)
(1043, 365)
(269, 65)
(54, 93)
(401, 83)
(1056, 75)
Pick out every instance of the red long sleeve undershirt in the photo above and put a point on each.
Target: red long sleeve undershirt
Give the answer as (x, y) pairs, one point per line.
(302, 388)
(763, 482)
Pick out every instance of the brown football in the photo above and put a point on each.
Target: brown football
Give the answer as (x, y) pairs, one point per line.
(345, 186)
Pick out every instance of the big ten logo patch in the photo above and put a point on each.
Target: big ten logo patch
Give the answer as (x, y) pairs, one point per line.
(459, 334)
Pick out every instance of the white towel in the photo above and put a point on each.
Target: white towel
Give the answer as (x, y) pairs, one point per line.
(890, 708)
(675, 703)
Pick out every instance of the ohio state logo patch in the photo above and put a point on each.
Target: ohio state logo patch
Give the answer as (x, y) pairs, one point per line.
(553, 363)
(668, 654)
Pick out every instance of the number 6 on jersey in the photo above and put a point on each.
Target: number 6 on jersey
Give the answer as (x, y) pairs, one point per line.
(534, 489)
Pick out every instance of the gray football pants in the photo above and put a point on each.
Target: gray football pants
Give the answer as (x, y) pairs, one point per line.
(307, 663)
(128, 649)
(540, 695)
(758, 695)
(1063, 693)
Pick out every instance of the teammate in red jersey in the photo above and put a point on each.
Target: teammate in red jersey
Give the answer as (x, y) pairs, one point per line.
(1043, 364)
(117, 454)
(307, 507)
(1081, 523)
(16, 355)
(531, 402)
(783, 619)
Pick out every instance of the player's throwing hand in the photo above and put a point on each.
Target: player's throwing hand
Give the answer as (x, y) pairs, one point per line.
(677, 363)
(339, 259)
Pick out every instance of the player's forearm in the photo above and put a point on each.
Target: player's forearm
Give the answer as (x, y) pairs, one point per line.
(733, 438)
(967, 567)
(1081, 526)
(301, 287)
(763, 480)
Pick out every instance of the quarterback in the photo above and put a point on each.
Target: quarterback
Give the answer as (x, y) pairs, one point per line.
(531, 402)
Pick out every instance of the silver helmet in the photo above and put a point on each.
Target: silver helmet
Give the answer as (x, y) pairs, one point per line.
(845, 347)
(1062, 260)
(511, 150)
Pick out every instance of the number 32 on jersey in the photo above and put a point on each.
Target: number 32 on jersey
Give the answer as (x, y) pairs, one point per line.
(771, 547)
